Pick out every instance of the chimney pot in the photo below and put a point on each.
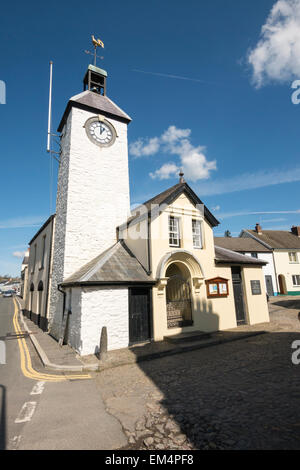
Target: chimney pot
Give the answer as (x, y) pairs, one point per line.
(258, 229)
(295, 230)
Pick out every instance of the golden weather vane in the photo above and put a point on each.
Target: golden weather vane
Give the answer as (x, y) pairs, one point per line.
(96, 43)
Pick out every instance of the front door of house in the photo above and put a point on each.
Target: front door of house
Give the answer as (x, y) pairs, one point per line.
(238, 295)
(269, 285)
(139, 315)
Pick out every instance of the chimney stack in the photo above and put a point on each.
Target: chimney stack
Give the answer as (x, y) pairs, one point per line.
(295, 230)
(258, 229)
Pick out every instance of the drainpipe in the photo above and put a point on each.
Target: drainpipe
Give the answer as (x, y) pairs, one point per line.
(149, 247)
(276, 277)
(64, 301)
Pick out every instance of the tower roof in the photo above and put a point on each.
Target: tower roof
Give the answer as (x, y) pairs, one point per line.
(94, 102)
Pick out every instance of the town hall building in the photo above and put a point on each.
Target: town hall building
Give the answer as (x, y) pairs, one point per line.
(139, 276)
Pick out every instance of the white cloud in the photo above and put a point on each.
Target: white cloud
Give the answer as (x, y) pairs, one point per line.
(175, 141)
(19, 254)
(142, 147)
(173, 134)
(165, 172)
(228, 215)
(248, 181)
(20, 222)
(276, 56)
(216, 208)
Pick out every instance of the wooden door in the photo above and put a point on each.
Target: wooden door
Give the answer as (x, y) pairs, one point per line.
(238, 295)
(269, 286)
(139, 315)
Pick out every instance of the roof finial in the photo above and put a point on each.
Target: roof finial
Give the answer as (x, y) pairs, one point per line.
(181, 178)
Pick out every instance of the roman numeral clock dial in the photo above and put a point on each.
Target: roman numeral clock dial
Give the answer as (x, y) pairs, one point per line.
(100, 132)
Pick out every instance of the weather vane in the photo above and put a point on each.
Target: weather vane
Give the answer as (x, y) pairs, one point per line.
(96, 43)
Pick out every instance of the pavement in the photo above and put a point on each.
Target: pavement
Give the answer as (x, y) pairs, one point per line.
(44, 410)
(64, 358)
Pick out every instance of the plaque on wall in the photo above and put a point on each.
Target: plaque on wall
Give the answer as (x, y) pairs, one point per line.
(255, 287)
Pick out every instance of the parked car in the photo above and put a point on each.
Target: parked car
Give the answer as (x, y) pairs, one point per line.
(8, 293)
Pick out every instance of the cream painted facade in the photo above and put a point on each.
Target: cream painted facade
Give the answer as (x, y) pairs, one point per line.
(208, 314)
(286, 268)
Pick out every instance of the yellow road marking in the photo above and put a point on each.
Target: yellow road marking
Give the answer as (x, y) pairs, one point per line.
(26, 364)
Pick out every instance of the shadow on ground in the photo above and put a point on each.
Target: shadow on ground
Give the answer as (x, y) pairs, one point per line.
(239, 395)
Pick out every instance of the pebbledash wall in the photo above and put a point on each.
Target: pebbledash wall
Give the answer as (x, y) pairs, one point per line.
(94, 308)
(87, 202)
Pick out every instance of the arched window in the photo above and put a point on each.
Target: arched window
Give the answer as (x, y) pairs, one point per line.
(41, 286)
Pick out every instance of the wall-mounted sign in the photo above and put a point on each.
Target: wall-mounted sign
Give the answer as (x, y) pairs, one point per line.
(217, 287)
(255, 287)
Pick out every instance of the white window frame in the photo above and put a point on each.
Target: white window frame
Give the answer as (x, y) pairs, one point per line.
(175, 233)
(197, 234)
(295, 256)
(296, 276)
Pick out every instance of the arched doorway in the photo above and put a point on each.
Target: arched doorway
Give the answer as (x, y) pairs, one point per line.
(178, 296)
(282, 285)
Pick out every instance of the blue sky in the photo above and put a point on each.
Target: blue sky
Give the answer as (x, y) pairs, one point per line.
(206, 88)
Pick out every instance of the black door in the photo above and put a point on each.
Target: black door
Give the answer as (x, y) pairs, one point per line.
(269, 285)
(238, 295)
(139, 315)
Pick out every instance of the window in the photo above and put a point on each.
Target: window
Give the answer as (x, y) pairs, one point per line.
(254, 255)
(174, 238)
(43, 252)
(293, 257)
(296, 280)
(197, 236)
(255, 287)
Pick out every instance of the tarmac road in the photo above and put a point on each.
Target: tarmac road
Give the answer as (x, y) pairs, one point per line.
(42, 410)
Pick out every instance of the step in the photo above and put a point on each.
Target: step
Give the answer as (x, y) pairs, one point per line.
(187, 337)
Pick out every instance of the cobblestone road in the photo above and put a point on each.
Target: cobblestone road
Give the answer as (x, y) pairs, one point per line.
(239, 395)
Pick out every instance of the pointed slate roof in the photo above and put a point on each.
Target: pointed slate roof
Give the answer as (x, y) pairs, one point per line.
(167, 197)
(117, 265)
(277, 239)
(96, 103)
(241, 244)
(223, 255)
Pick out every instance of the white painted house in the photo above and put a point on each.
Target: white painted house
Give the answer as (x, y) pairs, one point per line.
(251, 247)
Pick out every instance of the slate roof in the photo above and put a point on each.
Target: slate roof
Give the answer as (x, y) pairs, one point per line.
(93, 101)
(42, 228)
(25, 260)
(223, 255)
(246, 244)
(167, 197)
(277, 239)
(117, 265)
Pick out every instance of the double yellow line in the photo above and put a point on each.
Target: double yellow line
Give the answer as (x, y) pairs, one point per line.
(26, 365)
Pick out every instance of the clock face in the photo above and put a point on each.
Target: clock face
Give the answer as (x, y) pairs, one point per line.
(101, 133)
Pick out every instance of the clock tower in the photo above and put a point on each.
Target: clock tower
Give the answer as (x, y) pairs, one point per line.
(93, 183)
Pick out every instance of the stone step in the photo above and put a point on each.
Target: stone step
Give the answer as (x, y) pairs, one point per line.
(187, 337)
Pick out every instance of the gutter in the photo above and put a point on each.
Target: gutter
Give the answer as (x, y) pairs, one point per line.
(103, 283)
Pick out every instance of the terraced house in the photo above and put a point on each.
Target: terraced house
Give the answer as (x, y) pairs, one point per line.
(285, 248)
(140, 276)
